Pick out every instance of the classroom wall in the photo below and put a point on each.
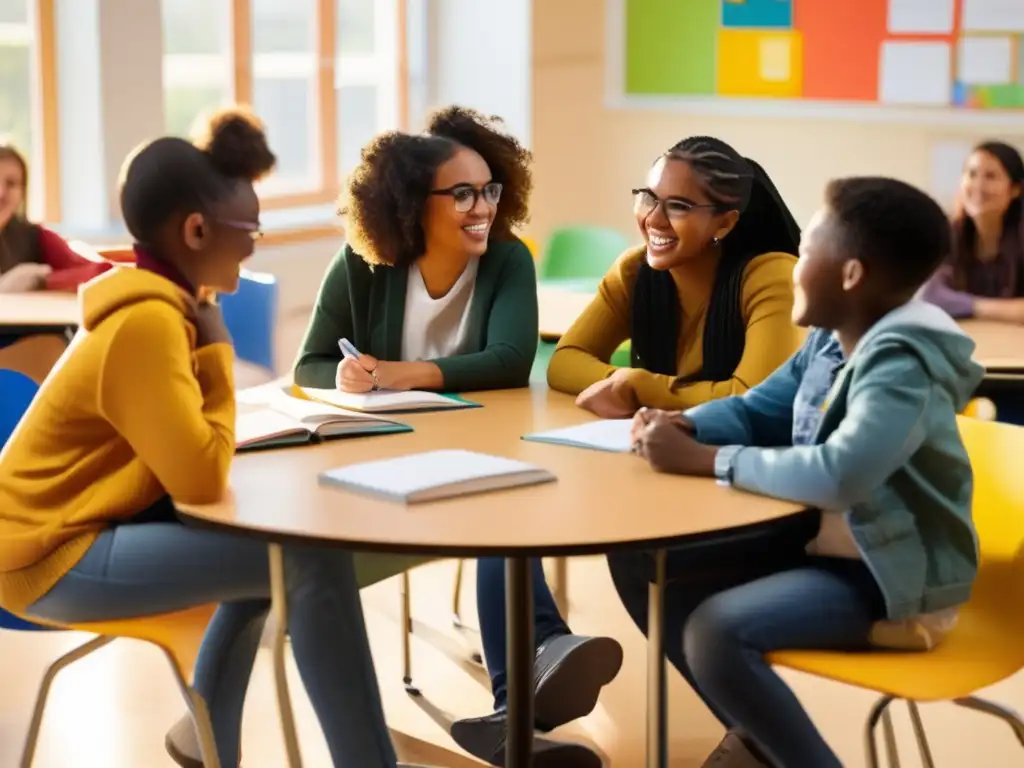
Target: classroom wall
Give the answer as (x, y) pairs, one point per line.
(588, 157)
(478, 55)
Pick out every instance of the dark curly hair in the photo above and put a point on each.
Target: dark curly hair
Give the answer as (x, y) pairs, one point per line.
(172, 176)
(387, 193)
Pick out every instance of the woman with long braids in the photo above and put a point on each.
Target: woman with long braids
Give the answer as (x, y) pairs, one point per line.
(706, 303)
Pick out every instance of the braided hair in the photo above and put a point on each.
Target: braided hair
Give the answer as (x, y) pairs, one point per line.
(765, 225)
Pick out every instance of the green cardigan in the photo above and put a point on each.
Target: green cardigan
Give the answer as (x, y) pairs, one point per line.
(366, 305)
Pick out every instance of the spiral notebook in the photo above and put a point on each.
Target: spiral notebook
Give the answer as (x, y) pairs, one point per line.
(435, 475)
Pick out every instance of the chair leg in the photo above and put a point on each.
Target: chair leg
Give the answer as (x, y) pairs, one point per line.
(892, 753)
(279, 612)
(562, 585)
(1005, 714)
(870, 745)
(457, 595)
(200, 715)
(35, 725)
(922, 738)
(406, 621)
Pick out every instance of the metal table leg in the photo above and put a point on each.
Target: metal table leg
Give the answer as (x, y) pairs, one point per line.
(521, 653)
(279, 611)
(657, 706)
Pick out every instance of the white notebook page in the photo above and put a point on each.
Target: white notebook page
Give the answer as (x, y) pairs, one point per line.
(379, 401)
(422, 471)
(606, 435)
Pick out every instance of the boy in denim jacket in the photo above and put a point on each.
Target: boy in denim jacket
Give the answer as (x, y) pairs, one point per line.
(861, 425)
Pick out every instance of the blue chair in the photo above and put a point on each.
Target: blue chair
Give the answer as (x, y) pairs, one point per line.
(250, 315)
(18, 391)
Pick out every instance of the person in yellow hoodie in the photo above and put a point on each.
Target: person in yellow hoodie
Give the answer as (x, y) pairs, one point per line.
(139, 414)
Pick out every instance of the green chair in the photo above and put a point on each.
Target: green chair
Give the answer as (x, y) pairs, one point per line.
(621, 356)
(573, 253)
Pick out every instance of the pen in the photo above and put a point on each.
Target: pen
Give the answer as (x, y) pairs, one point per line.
(347, 349)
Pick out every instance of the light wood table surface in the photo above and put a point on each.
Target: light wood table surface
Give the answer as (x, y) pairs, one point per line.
(42, 309)
(1000, 346)
(601, 501)
(559, 308)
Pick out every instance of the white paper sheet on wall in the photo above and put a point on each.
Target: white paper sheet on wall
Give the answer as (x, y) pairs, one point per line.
(985, 60)
(947, 164)
(915, 73)
(992, 16)
(775, 59)
(921, 16)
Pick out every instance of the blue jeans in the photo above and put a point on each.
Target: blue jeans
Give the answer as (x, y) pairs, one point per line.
(490, 605)
(722, 618)
(150, 567)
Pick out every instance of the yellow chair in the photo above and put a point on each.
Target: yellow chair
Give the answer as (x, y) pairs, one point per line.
(177, 634)
(531, 244)
(987, 645)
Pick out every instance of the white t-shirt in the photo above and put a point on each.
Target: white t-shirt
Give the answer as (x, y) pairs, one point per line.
(436, 328)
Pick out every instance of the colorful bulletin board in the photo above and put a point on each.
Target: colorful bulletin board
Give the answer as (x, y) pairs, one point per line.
(961, 57)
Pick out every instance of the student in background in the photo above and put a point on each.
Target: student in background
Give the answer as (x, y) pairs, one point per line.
(435, 292)
(89, 480)
(32, 257)
(984, 275)
(890, 552)
(705, 301)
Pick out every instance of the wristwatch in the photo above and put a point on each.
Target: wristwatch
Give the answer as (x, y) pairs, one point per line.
(376, 384)
(725, 460)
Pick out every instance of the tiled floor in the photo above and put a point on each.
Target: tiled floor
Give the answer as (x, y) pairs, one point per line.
(111, 711)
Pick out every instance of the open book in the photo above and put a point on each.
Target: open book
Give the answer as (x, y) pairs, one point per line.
(435, 475)
(387, 401)
(604, 435)
(268, 418)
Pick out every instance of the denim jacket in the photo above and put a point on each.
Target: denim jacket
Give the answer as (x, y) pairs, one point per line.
(876, 437)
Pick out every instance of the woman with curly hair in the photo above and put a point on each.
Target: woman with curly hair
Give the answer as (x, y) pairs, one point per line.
(433, 288)
(437, 293)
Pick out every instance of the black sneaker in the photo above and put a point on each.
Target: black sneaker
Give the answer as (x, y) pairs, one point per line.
(569, 673)
(484, 738)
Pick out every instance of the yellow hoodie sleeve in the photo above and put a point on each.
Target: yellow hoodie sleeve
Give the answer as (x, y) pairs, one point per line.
(177, 412)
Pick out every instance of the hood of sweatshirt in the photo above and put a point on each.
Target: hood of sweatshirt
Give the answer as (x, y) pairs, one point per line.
(124, 287)
(942, 345)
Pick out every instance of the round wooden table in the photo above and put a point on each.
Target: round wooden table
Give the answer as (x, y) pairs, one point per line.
(600, 502)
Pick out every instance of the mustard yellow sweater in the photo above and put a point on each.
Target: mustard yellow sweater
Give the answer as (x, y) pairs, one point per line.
(582, 355)
(131, 411)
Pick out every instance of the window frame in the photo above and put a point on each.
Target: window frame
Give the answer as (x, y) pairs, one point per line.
(327, 94)
(44, 161)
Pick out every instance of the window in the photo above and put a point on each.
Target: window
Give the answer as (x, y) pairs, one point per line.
(197, 74)
(323, 75)
(366, 75)
(22, 93)
(285, 90)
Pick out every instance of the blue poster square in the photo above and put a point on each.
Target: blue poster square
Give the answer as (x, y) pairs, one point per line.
(758, 14)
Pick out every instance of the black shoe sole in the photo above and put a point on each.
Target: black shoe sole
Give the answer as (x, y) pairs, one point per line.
(569, 689)
(556, 754)
(485, 740)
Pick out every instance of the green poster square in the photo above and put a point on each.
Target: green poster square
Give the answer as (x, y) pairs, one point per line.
(670, 46)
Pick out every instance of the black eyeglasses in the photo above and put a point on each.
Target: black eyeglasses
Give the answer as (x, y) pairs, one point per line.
(645, 201)
(466, 195)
